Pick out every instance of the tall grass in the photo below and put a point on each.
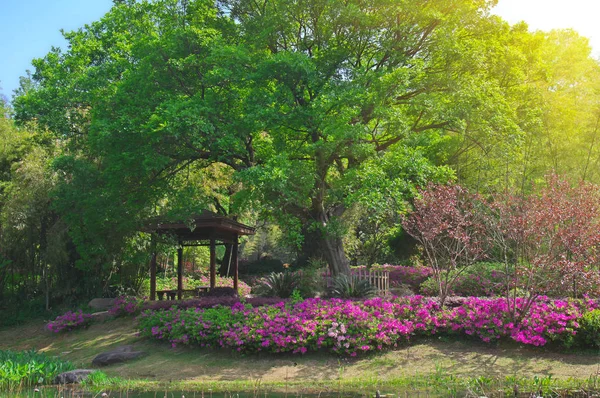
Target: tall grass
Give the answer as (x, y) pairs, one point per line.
(25, 369)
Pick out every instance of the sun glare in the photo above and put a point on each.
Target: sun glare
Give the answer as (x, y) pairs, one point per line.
(580, 15)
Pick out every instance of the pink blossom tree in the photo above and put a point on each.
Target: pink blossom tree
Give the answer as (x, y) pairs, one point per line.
(446, 221)
(550, 239)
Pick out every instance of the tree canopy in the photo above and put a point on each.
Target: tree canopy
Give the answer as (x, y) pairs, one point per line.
(320, 117)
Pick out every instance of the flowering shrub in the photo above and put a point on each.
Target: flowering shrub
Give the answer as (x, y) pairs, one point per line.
(352, 327)
(447, 222)
(69, 321)
(126, 305)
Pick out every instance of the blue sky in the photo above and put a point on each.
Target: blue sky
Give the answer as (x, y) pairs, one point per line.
(29, 28)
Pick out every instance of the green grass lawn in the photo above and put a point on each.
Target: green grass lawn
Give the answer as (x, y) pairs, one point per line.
(190, 367)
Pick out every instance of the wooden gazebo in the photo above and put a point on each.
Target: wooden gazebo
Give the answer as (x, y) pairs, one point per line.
(206, 229)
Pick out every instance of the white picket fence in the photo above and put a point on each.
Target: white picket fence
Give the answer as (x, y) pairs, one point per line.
(378, 278)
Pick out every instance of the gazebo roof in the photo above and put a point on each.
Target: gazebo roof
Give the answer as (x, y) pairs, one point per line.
(204, 226)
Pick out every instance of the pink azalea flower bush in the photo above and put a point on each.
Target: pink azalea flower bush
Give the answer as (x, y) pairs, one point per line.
(126, 305)
(354, 327)
(69, 321)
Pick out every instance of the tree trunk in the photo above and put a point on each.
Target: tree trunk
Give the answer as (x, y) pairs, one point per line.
(311, 246)
(318, 245)
(43, 261)
(332, 247)
(333, 250)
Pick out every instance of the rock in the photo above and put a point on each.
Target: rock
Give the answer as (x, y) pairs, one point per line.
(119, 354)
(101, 304)
(74, 376)
(101, 316)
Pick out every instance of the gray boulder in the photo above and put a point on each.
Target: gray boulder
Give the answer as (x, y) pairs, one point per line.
(102, 316)
(117, 355)
(101, 304)
(73, 377)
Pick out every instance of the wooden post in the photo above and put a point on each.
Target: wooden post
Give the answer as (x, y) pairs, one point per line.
(234, 259)
(153, 277)
(153, 268)
(213, 264)
(179, 271)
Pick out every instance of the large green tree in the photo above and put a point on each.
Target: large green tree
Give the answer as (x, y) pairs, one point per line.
(549, 81)
(300, 99)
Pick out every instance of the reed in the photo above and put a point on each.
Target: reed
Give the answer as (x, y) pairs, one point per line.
(25, 369)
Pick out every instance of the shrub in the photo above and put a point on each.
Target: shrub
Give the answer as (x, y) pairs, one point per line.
(404, 275)
(208, 302)
(480, 280)
(345, 286)
(25, 369)
(447, 221)
(126, 305)
(355, 326)
(16, 311)
(221, 292)
(280, 284)
(311, 283)
(194, 281)
(70, 321)
(261, 267)
(588, 334)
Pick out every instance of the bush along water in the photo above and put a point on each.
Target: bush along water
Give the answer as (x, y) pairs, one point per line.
(19, 370)
(70, 321)
(353, 327)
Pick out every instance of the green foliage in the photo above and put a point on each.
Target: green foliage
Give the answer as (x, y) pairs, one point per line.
(98, 379)
(15, 311)
(170, 107)
(479, 280)
(345, 286)
(296, 297)
(169, 282)
(269, 243)
(588, 334)
(312, 282)
(280, 284)
(219, 318)
(262, 266)
(24, 369)
(156, 93)
(379, 192)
